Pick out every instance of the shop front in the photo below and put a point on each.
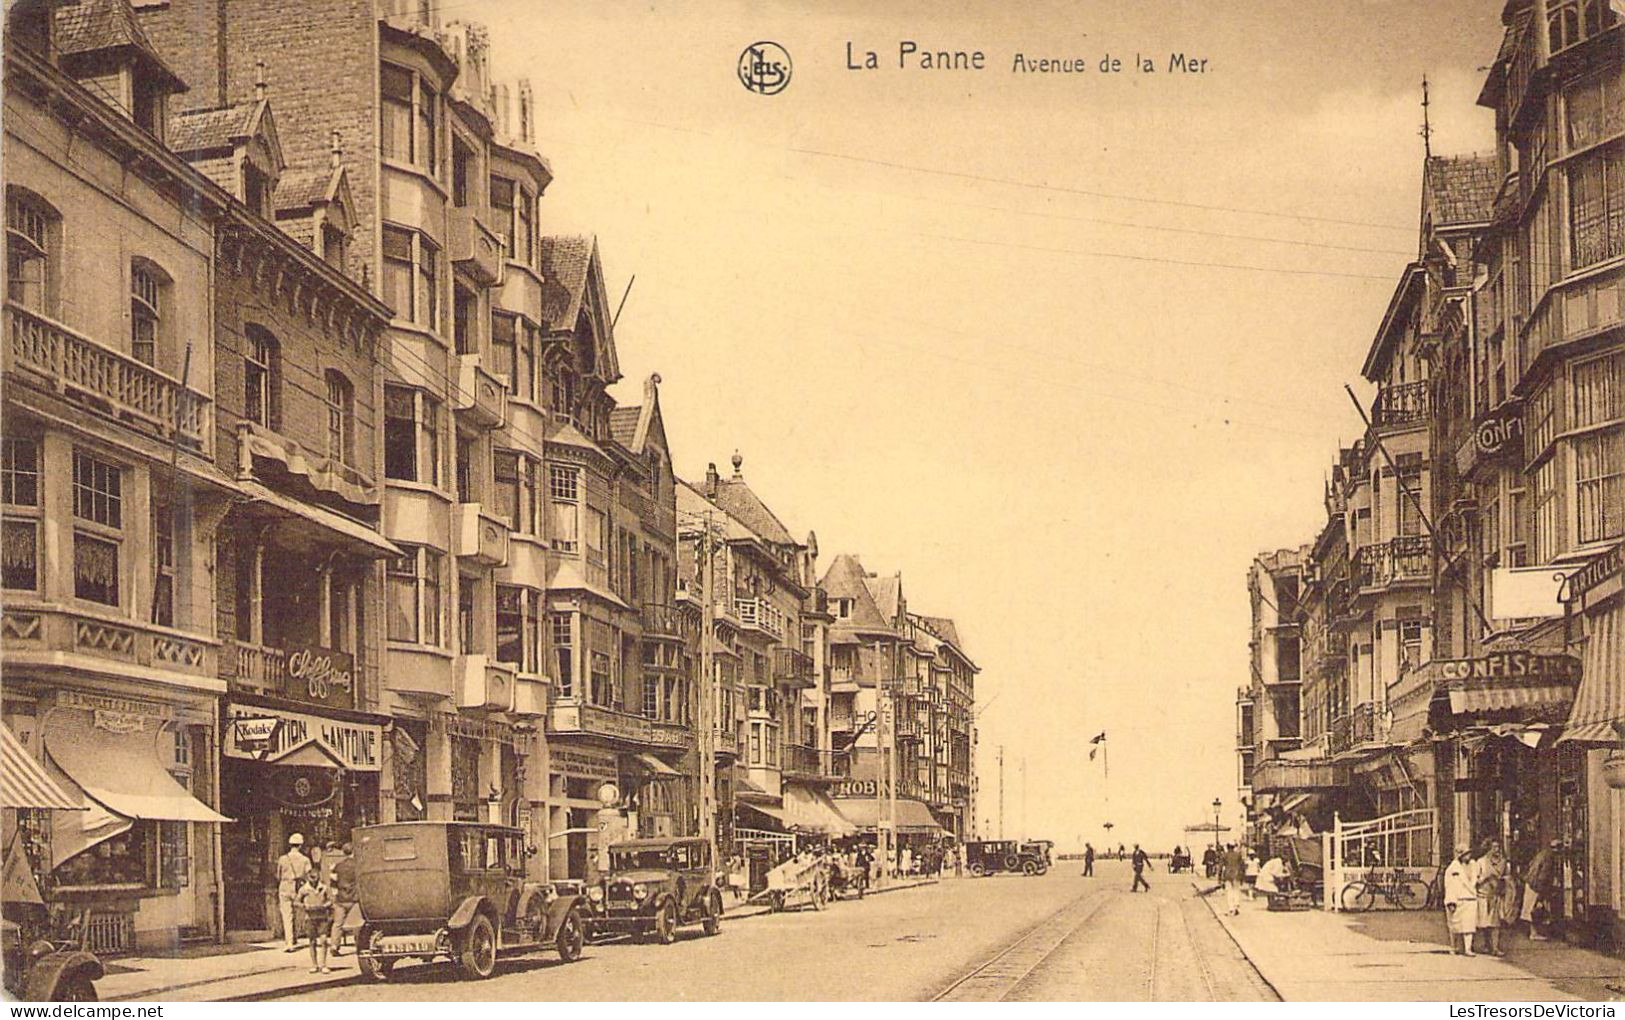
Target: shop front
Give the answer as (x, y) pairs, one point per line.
(305, 769)
(137, 864)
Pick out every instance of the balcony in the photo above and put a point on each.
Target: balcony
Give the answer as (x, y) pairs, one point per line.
(1401, 405)
(727, 738)
(663, 621)
(105, 380)
(1360, 728)
(575, 718)
(477, 535)
(474, 247)
(793, 667)
(804, 762)
(1401, 560)
(54, 633)
(480, 395)
(484, 683)
(759, 614)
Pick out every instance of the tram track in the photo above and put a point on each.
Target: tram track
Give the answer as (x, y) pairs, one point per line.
(997, 976)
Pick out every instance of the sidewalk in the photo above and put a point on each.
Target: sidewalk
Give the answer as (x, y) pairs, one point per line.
(262, 970)
(1405, 956)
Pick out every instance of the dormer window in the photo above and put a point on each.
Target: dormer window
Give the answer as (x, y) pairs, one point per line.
(333, 246)
(148, 112)
(256, 189)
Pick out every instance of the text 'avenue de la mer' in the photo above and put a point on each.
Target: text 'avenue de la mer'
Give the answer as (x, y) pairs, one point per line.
(913, 56)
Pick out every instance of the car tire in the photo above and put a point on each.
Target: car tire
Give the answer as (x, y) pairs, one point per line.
(665, 931)
(572, 937)
(378, 970)
(1012, 863)
(977, 870)
(477, 948)
(1029, 868)
(78, 988)
(712, 922)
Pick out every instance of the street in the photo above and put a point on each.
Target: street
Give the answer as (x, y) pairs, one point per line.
(1055, 937)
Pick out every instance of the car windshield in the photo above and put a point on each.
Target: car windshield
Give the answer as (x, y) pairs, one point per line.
(631, 860)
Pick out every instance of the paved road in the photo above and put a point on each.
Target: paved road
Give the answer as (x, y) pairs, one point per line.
(1051, 938)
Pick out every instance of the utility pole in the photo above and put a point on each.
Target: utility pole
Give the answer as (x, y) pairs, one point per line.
(1001, 791)
(891, 758)
(707, 689)
(1024, 832)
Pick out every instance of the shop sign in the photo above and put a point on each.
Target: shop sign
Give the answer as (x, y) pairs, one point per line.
(1510, 664)
(1596, 570)
(474, 729)
(321, 675)
(254, 731)
(116, 715)
(576, 763)
(856, 789)
(355, 746)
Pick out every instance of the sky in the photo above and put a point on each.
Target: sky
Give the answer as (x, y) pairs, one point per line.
(1066, 350)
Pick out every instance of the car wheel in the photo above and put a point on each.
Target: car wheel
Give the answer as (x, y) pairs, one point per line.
(572, 937)
(775, 901)
(78, 988)
(378, 970)
(1012, 863)
(666, 924)
(977, 870)
(712, 923)
(477, 951)
(1029, 868)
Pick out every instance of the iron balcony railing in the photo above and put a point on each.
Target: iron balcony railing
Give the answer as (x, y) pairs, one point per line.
(1402, 558)
(1401, 404)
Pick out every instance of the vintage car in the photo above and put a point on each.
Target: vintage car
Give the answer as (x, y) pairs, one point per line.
(653, 886)
(458, 890)
(991, 856)
(44, 966)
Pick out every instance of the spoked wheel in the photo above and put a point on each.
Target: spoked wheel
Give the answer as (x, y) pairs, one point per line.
(666, 924)
(371, 966)
(1357, 897)
(1029, 868)
(978, 870)
(713, 914)
(477, 954)
(572, 937)
(1411, 895)
(1012, 862)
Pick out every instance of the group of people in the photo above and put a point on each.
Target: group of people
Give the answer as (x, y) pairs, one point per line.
(1482, 896)
(320, 889)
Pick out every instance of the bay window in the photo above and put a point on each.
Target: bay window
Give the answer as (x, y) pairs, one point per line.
(411, 435)
(506, 472)
(560, 627)
(414, 596)
(504, 338)
(409, 118)
(517, 631)
(564, 495)
(98, 511)
(20, 494)
(1598, 388)
(412, 276)
(1596, 207)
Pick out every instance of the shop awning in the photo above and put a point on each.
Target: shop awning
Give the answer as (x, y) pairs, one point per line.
(768, 817)
(864, 813)
(1600, 701)
(654, 766)
(1279, 775)
(327, 519)
(1296, 801)
(121, 770)
(810, 808)
(24, 782)
(1479, 697)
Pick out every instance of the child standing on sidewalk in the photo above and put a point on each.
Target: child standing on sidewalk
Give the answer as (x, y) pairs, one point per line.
(317, 900)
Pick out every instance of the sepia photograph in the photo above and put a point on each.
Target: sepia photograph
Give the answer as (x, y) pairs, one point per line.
(625, 501)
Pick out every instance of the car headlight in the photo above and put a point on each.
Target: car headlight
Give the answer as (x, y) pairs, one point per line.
(595, 894)
(639, 891)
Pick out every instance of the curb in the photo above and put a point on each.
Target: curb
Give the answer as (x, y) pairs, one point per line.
(1206, 896)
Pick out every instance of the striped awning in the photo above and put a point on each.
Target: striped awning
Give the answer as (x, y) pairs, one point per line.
(1471, 697)
(1601, 699)
(24, 783)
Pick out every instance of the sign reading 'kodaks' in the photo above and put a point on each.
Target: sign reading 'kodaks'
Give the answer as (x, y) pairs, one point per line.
(269, 735)
(1510, 664)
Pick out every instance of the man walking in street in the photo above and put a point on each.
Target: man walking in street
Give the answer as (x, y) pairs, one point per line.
(1088, 860)
(344, 896)
(1543, 868)
(1232, 872)
(1141, 859)
(291, 869)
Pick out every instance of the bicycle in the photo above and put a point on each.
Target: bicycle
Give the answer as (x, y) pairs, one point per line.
(1396, 889)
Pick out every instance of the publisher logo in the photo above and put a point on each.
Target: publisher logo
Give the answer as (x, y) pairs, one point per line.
(764, 68)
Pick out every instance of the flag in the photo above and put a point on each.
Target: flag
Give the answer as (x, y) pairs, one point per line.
(1096, 741)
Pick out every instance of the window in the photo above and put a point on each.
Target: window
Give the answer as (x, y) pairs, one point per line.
(506, 469)
(525, 369)
(524, 225)
(31, 230)
(414, 597)
(563, 487)
(428, 127)
(530, 481)
(146, 290)
(340, 418)
(464, 307)
(600, 688)
(411, 435)
(559, 628)
(597, 530)
(1594, 110)
(259, 361)
(256, 189)
(1596, 207)
(163, 565)
(468, 630)
(398, 271)
(334, 245)
(504, 329)
(517, 633)
(395, 129)
(1540, 423)
(1599, 454)
(651, 697)
(98, 510)
(503, 192)
(412, 276)
(1410, 515)
(1547, 532)
(462, 172)
(1410, 645)
(20, 491)
(464, 468)
(428, 283)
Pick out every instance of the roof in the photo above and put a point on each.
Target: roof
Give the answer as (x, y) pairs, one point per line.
(565, 270)
(887, 593)
(89, 26)
(847, 579)
(1460, 189)
(623, 425)
(217, 128)
(299, 187)
(945, 629)
(737, 498)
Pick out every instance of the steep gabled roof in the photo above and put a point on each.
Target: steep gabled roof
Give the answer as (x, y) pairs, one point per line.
(742, 503)
(193, 131)
(846, 579)
(887, 593)
(1460, 189)
(945, 629)
(565, 263)
(92, 26)
(623, 425)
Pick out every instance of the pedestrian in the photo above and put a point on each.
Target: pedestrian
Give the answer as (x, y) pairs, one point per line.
(291, 869)
(1210, 862)
(1141, 860)
(1272, 877)
(1491, 878)
(344, 896)
(1088, 860)
(1461, 902)
(1232, 873)
(1538, 883)
(317, 900)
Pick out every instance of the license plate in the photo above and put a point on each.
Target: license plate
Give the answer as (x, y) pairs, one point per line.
(404, 946)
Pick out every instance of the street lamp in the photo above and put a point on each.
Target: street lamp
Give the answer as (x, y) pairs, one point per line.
(1217, 805)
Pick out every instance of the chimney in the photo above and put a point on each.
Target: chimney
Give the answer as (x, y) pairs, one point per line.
(711, 480)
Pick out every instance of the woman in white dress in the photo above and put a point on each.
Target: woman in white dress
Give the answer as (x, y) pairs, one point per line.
(1461, 901)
